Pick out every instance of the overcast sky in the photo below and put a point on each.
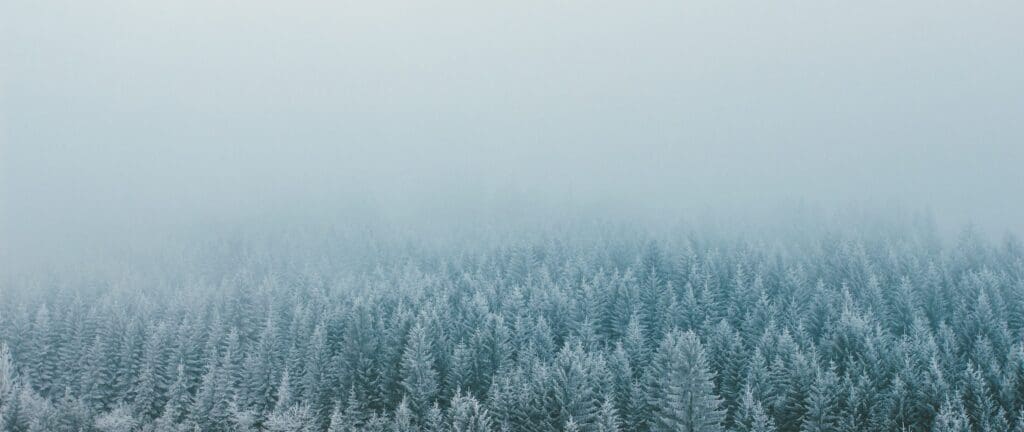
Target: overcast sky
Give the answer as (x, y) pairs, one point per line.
(117, 112)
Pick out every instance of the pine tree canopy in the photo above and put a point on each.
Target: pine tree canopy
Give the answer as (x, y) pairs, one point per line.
(851, 330)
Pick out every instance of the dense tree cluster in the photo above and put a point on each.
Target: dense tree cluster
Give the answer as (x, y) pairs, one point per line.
(831, 332)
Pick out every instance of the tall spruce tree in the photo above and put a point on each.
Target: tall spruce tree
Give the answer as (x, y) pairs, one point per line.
(680, 388)
(822, 404)
(419, 378)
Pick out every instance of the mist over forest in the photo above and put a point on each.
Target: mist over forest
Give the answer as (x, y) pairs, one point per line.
(456, 216)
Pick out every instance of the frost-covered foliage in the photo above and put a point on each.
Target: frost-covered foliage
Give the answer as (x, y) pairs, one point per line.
(607, 330)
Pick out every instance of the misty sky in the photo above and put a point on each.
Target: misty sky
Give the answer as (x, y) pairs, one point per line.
(117, 112)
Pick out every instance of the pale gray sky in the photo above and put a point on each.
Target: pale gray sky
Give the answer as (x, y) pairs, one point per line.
(130, 113)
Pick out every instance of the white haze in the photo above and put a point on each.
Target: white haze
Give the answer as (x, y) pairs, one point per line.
(131, 118)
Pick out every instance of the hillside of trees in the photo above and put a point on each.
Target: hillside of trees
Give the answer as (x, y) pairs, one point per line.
(609, 330)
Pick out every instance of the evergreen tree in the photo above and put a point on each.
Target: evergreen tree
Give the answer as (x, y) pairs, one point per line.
(635, 344)
(261, 366)
(44, 345)
(241, 419)
(119, 419)
(637, 413)
(680, 391)
(131, 356)
(211, 407)
(178, 398)
(461, 373)
(295, 418)
(8, 387)
(750, 415)
(822, 404)
(338, 422)
(99, 375)
(978, 403)
(151, 386)
(403, 419)
(71, 413)
(419, 379)
(608, 417)
(284, 393)
(654, 298)
(467, 415)
(434, 420)
(575, 392)
(727, 356)
(315, 386)
(790, 380)
(36, 412)
(951, 418)
(350, 415)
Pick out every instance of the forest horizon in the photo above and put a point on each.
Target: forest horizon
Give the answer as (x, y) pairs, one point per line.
(841, 326)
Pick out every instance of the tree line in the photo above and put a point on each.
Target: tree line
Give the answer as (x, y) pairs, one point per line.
(624, 331)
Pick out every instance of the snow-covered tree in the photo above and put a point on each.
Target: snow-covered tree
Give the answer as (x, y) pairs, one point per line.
(467, 415)
(419, 379)
(680, 391)
(119, 419)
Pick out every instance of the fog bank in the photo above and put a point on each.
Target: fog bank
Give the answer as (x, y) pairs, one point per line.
(127, 119)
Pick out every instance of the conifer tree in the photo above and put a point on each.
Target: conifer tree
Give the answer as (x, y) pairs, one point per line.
(680, 391)
(289, 415)
(419, 379)
(284, 393)
(44, 346)
(7, 386)
(338, 422)
(211, 408)
(951, 418)
(467, 415)
(151, 386)
(35, 412)
(635, 344)
(403, 418)
(315, 374)
(574, 390)
(504, 398)
(726, 355)
(356, 409)
(461, 373)
(261, 366)
(434, 420)
(905, 307)
(178, 398)
(241, 419)
(295, 418)
(133, 341)
(72, 414)
(608, 417)
(119, 419)
(750, 415)
(822, 404)
(978, 403)
(98, 376)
